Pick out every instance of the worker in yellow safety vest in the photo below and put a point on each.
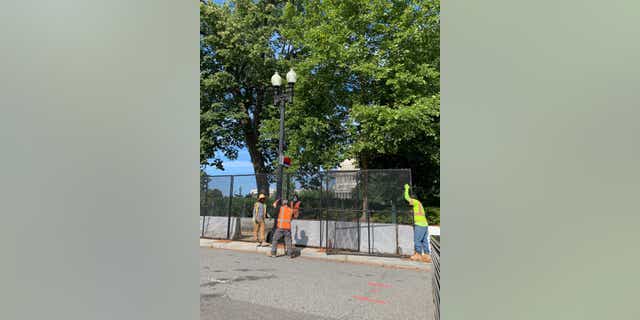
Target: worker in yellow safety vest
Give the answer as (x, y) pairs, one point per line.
(283, 229)
(420, 228)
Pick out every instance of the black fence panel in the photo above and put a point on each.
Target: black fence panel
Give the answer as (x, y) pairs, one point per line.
(343, 231)
(366, 205)
(354, 211)
(245, 193)
(214, 205)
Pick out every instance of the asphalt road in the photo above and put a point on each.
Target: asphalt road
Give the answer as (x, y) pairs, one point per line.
(238, 285)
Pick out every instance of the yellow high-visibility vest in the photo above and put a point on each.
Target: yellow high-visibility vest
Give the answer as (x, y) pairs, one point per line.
(419, 218)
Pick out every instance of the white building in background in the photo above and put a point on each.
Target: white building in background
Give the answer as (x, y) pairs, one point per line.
(348, 164)
(272, 192)
(345, 181)
(343, 185)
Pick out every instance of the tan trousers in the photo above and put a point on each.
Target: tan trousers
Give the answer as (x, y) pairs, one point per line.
(258, 227)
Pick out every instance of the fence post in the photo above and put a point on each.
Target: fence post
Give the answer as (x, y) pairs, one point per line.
(394, 215)
(329, 243)
(369, 230)
(229, 210)
(358, 226)
(365, 206)
(320, 214)
(205, 205)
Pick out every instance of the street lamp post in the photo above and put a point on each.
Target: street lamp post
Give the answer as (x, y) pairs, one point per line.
(281, 98)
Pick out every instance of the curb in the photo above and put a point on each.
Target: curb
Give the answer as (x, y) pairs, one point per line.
(226, 245)
(345, 259)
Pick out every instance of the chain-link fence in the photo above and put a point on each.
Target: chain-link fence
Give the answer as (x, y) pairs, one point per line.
(358, 211)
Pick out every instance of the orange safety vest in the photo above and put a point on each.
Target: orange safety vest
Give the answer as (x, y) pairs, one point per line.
(284, 218)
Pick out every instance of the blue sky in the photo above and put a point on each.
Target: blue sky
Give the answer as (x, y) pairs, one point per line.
(242, 165)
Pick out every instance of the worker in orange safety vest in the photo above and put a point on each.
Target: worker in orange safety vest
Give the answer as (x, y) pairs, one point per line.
(283, 228)
(295, 205)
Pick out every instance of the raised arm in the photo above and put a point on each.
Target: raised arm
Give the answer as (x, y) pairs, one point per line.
(296, 209)
(406, 194)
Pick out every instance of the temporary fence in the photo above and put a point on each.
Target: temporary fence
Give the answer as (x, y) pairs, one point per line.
(355, 211)
(227, 203)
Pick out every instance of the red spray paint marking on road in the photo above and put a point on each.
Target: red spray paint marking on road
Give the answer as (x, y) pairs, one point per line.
(369, 299)
(374, 290)
(376, 284)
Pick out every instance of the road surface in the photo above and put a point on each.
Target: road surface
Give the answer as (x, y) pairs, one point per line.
(237, 286)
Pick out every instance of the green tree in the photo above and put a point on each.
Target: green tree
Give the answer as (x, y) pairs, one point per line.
(242, 44)
(368, 84)
(382, 59)
(237, 58)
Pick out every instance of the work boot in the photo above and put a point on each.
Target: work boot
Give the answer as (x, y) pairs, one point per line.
(416, 257)
(426, 258)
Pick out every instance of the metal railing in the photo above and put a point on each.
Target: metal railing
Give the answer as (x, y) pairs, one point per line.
(435, 283)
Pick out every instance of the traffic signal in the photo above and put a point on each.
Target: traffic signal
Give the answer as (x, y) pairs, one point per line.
(286, 161)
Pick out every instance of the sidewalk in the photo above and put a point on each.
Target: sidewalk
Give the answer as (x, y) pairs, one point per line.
(315, 253)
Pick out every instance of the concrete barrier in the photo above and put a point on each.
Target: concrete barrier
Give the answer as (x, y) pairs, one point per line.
(215, 227)
(313, 233)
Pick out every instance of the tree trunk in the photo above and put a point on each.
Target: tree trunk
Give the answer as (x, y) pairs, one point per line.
(257, 160)
(252, 139)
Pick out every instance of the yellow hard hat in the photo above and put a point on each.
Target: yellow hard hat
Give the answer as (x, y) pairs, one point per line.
(261, 196)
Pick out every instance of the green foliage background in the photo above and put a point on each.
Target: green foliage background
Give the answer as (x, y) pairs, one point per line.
(368, 85)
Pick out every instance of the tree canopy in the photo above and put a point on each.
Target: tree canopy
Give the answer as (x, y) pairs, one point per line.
(368, 84)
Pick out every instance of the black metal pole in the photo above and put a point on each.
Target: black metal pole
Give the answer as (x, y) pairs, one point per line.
(229, 211)
(394, 214)
(321, 213)
(368, 230)
(281, 97)
(205, 205)
(332, 244)
(358, 228)
(281, 101)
